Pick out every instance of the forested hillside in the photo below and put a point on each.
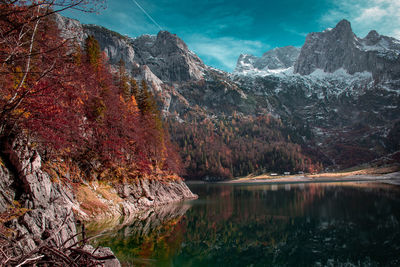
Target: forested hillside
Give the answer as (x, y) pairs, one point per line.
(64, 100)
(238, 145)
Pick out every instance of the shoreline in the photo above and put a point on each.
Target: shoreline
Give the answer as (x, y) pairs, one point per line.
(390, 178)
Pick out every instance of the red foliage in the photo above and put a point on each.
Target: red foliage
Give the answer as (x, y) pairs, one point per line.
(70, 104)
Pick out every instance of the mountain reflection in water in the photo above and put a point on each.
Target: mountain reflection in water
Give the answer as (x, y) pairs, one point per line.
(268, 225)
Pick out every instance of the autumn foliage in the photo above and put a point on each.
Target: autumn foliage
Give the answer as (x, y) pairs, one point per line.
(68, 102)
(238, 145)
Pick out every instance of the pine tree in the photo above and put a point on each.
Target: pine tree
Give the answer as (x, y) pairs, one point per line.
(123, 80)
(77, 54)
(134, 88)
(150, 113)
(146, 102)
(93, 51)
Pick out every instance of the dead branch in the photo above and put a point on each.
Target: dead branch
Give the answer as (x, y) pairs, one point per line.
(47, 252)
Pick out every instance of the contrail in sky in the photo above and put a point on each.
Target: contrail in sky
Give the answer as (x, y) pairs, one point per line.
(147, 14)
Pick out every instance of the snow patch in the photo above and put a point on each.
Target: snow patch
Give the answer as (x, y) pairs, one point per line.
(253, 72)
(340, 74)
(385, 47)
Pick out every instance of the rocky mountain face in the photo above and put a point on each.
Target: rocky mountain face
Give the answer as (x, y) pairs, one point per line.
(341, 88)
(339, 47)
(173, 72)
(346, 89)
(330, 51)
(166, 55)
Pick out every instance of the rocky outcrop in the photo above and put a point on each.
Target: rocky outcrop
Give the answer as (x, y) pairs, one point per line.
(114, 45)
(50, 209)
(112, 201)
(168, 57)
(339, 47)
(152, 193)
(48, 205)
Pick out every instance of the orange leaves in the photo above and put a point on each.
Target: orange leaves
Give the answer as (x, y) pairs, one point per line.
(130, 105)
(72, 105)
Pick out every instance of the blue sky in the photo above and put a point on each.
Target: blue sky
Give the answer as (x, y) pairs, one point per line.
(218, 31)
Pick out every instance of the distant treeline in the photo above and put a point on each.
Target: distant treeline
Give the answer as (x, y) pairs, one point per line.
(237, 146)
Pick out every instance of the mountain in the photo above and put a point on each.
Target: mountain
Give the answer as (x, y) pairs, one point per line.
(340, 48)
(330, 51)
(345, 88)
(166, 55)
(273, 61)
(164, 61)
(333, 102)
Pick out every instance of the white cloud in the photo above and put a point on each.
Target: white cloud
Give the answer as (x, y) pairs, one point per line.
(365, 15)
(374, 14)
(224, 50)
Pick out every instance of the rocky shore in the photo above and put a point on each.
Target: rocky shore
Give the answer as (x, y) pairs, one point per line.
(49, 209)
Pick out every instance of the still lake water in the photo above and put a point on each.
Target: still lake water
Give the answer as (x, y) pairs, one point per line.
(341, 224)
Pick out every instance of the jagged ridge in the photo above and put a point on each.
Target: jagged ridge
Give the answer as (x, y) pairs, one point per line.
(335, 82)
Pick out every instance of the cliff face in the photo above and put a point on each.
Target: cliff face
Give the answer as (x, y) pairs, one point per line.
(168, 57)
(339, 47)
(164, 61)
(48, 205)
(330, 51)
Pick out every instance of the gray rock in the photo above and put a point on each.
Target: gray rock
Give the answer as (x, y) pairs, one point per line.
(341, 48)
(152, 193)
(168, 57)
(103, 252)
(7, 191)
(49, 204)
(115, 45)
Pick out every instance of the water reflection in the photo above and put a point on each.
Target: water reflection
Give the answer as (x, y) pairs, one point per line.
(270, 225)
(153, 237)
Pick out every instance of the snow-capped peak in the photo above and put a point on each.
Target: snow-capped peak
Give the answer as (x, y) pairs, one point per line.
(273, 61)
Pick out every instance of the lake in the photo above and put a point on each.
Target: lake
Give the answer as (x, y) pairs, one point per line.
(322, 224)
